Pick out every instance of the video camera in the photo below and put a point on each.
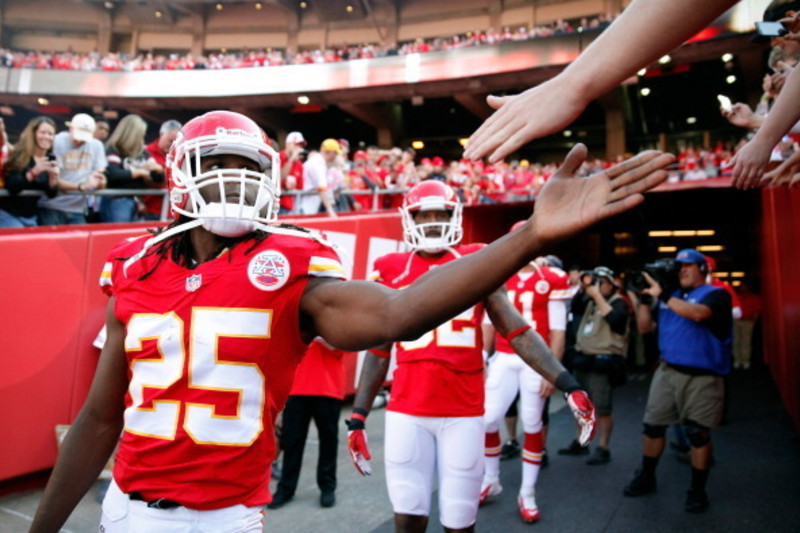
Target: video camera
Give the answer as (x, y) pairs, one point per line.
(663, 271)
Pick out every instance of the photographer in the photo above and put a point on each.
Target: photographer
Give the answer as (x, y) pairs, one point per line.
(599, 356)
(695, 336)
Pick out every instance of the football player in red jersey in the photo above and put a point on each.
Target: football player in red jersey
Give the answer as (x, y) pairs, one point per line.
(207, 321)
(435, 417)
(539, 293)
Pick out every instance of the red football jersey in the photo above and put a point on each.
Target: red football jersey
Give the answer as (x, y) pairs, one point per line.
(321, 372)
(531, 296)
(440, 373)
(212, 352)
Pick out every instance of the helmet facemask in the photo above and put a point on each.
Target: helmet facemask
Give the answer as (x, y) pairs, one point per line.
(432, 237)
(229, 202)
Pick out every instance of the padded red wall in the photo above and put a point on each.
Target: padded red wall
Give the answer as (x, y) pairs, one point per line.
(780, 272)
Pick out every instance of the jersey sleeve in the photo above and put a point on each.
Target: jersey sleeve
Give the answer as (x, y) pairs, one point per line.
(559, 283)
(113, 263)
(325, 262)
(378, 272)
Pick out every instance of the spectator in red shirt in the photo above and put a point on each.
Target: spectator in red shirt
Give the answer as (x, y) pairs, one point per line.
(158, 151)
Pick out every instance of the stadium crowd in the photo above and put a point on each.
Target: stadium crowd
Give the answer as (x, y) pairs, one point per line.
(118, 61)
(366, 179)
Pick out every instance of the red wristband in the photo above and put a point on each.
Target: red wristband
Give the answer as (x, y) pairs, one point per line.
(380, 353)
(517, 332)
(358, 416)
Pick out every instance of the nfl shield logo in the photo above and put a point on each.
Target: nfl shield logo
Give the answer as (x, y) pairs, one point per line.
(193, 282)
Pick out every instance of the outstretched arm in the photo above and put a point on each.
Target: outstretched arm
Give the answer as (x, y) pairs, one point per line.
(92, 437)
(355, 315)
(645, 31)
(750, 161)
(530, 346)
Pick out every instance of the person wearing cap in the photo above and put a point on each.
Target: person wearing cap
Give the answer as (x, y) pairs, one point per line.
(82, 160)
(695, 335)
(316, 191)
(599, 357)
(292, 158)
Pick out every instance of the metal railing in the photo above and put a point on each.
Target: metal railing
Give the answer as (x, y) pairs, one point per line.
(376, 195)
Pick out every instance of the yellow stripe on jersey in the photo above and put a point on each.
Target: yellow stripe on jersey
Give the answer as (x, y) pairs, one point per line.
(560, 295)
(324, 267)
(105, 276)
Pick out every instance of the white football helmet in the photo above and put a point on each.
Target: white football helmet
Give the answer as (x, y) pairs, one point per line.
(246, 198)
(431, 195)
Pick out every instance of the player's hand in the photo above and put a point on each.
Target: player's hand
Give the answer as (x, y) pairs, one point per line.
(583, 411)
(539, 111)
(357, 446)
(567, 205)
(546, 389)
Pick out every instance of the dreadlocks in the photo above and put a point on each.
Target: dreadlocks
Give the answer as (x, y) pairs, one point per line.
(178, 247)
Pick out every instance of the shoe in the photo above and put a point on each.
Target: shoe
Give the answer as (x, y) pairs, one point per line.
(696, 501)
(327, 499)
(490, 487)
(545, 458)
(600, 456)
(574, 448)
(641, 484)
(510, 450)
(528, 510)
(279, 499)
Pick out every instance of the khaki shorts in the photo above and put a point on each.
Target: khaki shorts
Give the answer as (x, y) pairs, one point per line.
(599, 390)
(676, 397)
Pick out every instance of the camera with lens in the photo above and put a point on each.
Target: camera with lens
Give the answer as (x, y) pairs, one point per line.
(588, 277)
(301, 155)
(663, 271)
